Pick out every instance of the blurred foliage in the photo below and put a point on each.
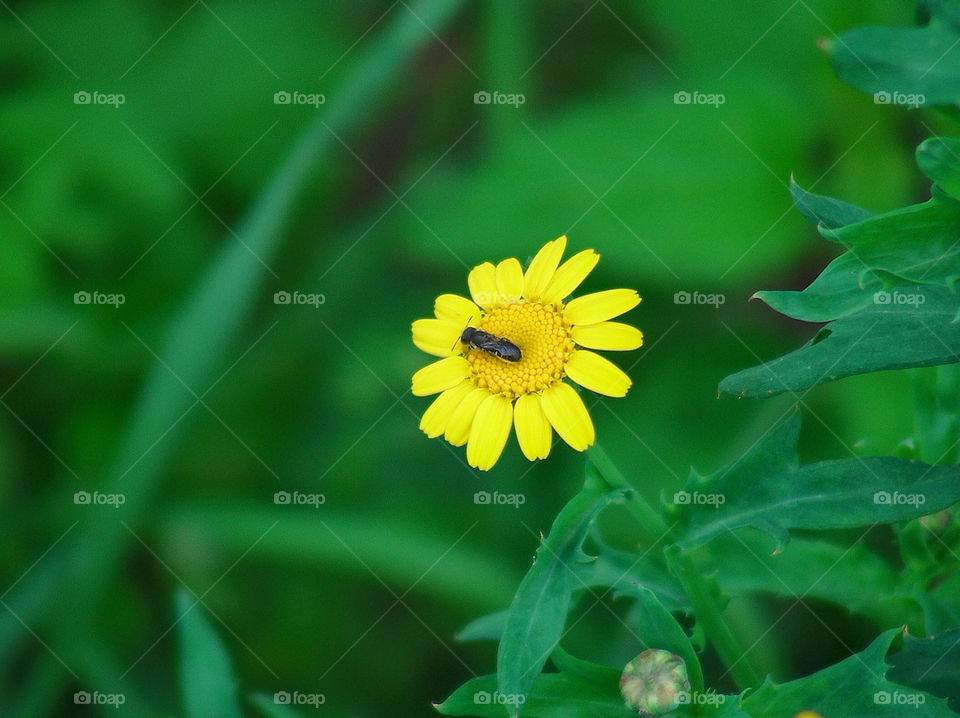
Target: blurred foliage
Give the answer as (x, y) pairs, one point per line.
(360, 598)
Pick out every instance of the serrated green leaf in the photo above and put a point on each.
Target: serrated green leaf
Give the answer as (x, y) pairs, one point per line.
(939, 159)
(767, 489)
(931, 665)
(842, 288)
(743, 562)
(912, 66)
(917, 243)
(207, 686)
(826, 211)
(539, 610)
(893, 335)
(854, 687)
(553, 695)
(611, 568)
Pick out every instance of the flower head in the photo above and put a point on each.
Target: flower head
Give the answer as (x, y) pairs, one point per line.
(484, 390)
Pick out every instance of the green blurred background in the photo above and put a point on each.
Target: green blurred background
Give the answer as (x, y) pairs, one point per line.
(199, 198)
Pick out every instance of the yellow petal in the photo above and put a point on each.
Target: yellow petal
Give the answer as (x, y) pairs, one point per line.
(435, 418)
(482, 281)
(600, 306)
(488, 435)
(533, 429)
(440, 375)
(542, 268)
(458, 428)
(436, 336)
(509, 281)
(569, 275)
(595, 373)
(459, 310)
(608, 336)
(567, 414)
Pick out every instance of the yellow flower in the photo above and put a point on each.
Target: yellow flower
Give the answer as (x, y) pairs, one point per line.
(483, 395)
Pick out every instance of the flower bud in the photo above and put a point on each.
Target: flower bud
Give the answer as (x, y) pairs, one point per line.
(654, 682)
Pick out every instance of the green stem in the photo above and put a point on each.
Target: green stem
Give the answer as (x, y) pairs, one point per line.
(703, 600)
(700, 590)
(649, 518)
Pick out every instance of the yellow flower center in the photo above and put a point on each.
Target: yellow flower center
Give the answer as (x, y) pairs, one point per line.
(543, 335)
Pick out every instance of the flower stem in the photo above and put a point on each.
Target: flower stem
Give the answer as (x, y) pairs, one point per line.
(700, 590)
(703, 601)
(649, 518)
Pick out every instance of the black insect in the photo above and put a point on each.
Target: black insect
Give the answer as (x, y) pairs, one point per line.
(490, 344)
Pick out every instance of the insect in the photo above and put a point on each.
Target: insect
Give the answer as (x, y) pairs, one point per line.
(490, 344)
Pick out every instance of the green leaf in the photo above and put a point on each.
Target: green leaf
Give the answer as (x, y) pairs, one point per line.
(571, 665)
(917, 243)
(939, 159)
(767, 489)
(842, 288)
(913, 328)
(612, 568)
(269, 708)
(826, 211)
(553, 695)
(657, 628)
(539, 609)
(911, 66)
(854, 687)
(207, 685)
(743, 563)
(931, 665)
